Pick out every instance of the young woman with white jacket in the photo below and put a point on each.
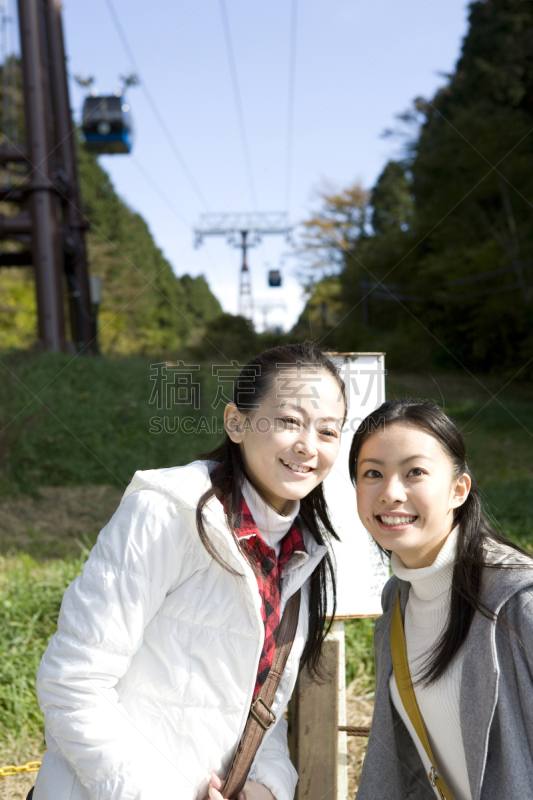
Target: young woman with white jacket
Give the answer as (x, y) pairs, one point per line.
(458, 613)
(168, 635)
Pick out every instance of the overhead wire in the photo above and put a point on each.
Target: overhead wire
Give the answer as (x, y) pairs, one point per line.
(153, 106)
(238, 102)
(157, 189)
(290, 101)
(146, 175)
(170, 205)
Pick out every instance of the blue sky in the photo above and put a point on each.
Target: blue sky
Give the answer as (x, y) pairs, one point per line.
(356, 66)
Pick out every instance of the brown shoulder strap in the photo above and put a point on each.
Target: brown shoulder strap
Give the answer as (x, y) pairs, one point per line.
(261, 716)
(402, 676)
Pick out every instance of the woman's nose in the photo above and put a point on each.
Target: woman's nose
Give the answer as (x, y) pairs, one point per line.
(305, 444)
(392, 491)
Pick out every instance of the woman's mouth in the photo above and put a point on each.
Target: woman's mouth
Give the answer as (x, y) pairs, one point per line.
(297, 468)
(395, 522)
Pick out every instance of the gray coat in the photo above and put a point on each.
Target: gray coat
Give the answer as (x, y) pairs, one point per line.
(496, 701)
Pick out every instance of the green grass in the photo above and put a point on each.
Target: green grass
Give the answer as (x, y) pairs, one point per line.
(30, 597)
(359, 635)
(68, 422)
(94, 429)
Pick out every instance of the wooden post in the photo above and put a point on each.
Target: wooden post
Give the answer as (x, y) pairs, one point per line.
(337, 632)
(313, 728)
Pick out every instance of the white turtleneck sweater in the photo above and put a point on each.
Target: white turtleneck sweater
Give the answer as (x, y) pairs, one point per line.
(271, 525)
(425, 618)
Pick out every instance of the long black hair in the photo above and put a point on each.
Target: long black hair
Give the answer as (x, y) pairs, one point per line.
(475, 536)
(253, 384)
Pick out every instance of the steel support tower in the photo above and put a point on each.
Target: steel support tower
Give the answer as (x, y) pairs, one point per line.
(53, 230)
(266, 308)
(243, 230)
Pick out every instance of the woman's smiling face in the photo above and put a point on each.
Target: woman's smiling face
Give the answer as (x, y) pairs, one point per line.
(289, 444)
(407, 492)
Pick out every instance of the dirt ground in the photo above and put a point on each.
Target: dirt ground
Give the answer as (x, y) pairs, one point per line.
(359, 714)
(57, 521)
(16, 787)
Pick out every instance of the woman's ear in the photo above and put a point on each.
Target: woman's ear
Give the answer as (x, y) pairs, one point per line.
(461, 490)
(233, 423)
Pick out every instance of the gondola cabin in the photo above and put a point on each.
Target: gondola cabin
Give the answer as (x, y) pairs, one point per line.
(106, 125)
(274, 277)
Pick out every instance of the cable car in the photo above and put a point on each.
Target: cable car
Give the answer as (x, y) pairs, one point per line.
(274, 277)
(106, 124)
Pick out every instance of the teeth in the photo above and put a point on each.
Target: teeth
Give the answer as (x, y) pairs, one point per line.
(397, 520)
(296, 467)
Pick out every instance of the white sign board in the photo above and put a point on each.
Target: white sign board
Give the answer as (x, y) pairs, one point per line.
(361, 573)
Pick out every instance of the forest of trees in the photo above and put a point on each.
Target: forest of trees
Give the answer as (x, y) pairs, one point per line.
(435, 263)
(146, 308)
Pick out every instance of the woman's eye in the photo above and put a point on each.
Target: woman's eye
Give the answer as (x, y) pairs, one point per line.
(416, 472)
(289, 421)
(329, 432)
(372, 473)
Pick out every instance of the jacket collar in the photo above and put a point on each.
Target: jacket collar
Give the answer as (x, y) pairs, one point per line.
(185, 486)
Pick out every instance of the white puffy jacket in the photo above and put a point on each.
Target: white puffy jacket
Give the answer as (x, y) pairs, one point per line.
(147, 683)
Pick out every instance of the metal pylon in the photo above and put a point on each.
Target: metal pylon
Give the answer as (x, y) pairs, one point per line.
(232, 225)
(246, 302)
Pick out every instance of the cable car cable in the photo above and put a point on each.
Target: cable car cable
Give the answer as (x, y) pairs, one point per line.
(157, 189)
(290, 103)
(170, 205)
(238, 102)
(133, 62)
(175, 149)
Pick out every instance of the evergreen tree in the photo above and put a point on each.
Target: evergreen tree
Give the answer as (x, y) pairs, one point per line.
(391, 200)
(202, 305)
(449, 280)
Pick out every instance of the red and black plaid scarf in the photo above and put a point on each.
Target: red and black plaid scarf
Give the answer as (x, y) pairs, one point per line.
(268, 574)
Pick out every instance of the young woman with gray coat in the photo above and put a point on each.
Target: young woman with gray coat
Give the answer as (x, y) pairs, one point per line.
(453, 712)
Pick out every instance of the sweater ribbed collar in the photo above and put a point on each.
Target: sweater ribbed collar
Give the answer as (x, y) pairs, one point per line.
(271, 525)
(428, 583)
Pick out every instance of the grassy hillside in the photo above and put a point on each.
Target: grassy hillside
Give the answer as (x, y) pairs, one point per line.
(87, 421)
